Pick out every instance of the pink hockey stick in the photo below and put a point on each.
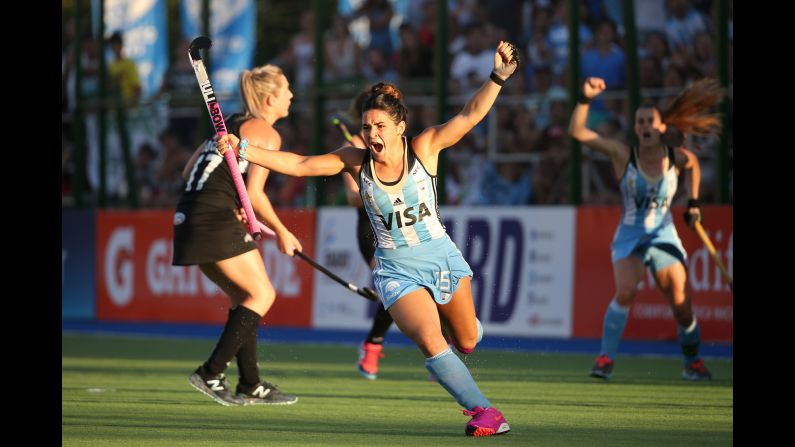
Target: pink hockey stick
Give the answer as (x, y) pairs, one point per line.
(203, 43)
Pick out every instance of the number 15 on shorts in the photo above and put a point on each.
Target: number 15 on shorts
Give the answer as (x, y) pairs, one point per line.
(443, 284)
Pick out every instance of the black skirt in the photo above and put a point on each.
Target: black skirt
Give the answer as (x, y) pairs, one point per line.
(208, 235)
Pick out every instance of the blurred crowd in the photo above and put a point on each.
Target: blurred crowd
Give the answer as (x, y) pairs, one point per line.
(518, 155)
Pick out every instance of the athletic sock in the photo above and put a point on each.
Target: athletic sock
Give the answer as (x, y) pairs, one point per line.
(454, 376)
(240, 326)
(612, 328)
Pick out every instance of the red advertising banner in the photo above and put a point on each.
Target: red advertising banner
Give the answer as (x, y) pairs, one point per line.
(136, 281)
(650, 315)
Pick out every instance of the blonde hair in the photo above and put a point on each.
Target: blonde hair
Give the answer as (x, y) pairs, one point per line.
(256, 84)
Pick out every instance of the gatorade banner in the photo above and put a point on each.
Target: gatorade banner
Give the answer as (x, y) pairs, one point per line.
(136, 281)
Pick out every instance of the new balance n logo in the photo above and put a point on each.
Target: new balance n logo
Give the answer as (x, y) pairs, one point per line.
(215, 385)
(397, 202)
(261, 392)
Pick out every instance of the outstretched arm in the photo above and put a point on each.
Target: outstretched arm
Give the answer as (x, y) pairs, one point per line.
(616, 151)
(293, 164)
(285, 162)
(433, 139)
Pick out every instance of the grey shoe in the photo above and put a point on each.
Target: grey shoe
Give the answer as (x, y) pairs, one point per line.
(214, 386)
(264, 393)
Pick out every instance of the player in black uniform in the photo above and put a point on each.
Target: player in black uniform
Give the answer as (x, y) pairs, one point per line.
(208, 232)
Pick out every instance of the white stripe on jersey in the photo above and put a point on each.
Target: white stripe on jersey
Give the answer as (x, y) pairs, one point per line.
(426, 193)
(216, 159)
(409, 207)
(630, 210)
(647, 201)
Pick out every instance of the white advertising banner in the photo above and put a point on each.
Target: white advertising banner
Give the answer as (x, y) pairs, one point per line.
(336, 248)
(522, 260)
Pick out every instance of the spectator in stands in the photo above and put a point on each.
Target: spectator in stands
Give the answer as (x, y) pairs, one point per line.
(550, 176)
(606, 59)
(413, 60)
(179, 87)
(123, 72)
(703, 58)
(343, 55)
(379, 13)
(646, 234)
(656, 47)
(683, 23)
(377, 66)
(504, 182)
(302, 51)
(558, 36)
(469, 68)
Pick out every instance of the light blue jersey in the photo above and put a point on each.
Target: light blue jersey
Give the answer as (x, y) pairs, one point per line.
(646, 219)
(413, 250)
(647, 201)
(404, 214)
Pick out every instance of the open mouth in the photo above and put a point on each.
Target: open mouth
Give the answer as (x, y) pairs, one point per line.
(377, 147)
(646, 134)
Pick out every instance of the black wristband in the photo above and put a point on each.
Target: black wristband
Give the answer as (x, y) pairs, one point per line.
(497, 80)
(584, 99)
(693, 203)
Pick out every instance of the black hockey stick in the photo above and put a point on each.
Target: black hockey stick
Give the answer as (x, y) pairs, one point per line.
(363, 291)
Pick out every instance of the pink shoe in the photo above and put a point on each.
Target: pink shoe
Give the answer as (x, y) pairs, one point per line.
(486, 422)
(369, 353)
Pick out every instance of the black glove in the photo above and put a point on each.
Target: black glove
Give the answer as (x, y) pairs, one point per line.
(692, 218)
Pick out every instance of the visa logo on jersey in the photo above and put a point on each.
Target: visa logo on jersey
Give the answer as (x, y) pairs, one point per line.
(408, 214)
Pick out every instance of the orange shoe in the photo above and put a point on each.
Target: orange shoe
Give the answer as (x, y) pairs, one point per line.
(602, 367)
(696, 371)
(369, 353)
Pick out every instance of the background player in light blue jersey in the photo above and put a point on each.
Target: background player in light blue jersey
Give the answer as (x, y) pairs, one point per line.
(420, 275)
(646, 234)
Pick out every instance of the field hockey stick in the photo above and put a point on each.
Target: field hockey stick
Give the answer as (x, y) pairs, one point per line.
(714, 253)
(363, 291)
(343, 129)
(194, 52)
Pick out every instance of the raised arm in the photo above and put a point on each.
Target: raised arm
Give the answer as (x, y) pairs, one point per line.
(433, 139)
(616, 151)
